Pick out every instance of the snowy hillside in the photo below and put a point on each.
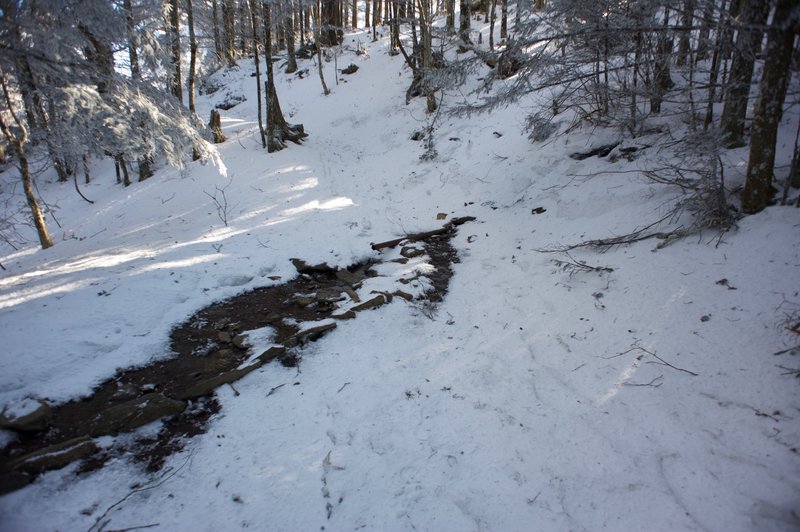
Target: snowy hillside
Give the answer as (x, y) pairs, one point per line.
(639, 391)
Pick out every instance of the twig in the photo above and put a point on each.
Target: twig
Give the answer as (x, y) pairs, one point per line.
(163, 480)
(274, 389)
(133, 528)
(449, 226)
(651, 383)
(574, 265)
(343, 386)
(661, 360)
(235, 391)
(784, 351)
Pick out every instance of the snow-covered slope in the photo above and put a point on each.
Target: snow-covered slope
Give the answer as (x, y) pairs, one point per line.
(537, 398)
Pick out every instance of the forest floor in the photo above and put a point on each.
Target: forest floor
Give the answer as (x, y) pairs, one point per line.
(637, 388)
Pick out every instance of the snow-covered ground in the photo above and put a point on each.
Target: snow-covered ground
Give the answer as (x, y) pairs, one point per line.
(536, 398)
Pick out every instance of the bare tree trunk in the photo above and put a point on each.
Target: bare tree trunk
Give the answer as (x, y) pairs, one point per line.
(278, 130)
(464, 24)
(192, 56)
(133, 53)
(426, 27)
(257, 61)
(215, 25)
(450, 20)
(684, 41)
(18, 142)
(662, 80)
(504, 21)
(749, 32)
(758, 192)
(175, 85)
(291, 65)
(228, 24)
(318, 41)
(215, 124)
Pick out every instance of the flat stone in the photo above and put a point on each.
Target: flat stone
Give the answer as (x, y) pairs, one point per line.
(404, 295)
(349, 315)
(304, 301)
(54, 456)
(133, 414)
(375, 302)
(206, 387)
(351, 278)
(314, 333)
(329, 294)
(271, 354)
(31, 422)
(353, 295)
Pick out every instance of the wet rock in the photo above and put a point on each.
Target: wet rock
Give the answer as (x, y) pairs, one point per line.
(240, 341)
(31, 422)
(221, 324)
(207, 386)
(404, 295)
(13, 480)
(349, 315)
(353, 295)
(375, 302)
(54, 456)
(304, 301)
(271, 354)
(329, 294)
(303, 267)
(352, 278)
(133, 414)
(410, 252)
(314, 333)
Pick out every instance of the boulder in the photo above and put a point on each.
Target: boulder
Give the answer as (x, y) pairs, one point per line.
(54, 456)
(30, 422)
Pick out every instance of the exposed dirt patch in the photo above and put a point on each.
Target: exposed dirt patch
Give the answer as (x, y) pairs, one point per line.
(207, 350)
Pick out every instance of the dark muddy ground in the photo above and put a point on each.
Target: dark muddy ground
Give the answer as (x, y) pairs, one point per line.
(206, 351)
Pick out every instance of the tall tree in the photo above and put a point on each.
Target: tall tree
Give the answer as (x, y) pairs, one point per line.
(464, 24)
(228, 33)
(175, 85)
(758, 191)
(18, 140)
(278, 130)
(749, 31)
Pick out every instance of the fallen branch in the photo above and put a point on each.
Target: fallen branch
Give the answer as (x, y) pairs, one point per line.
(654, 383)
(574, 265)
(102, 521)
(416, 237)
(661, 361)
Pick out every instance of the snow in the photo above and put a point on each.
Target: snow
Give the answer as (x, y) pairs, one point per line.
(536, 397)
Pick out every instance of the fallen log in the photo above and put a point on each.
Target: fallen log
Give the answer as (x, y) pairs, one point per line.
(416, 237)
